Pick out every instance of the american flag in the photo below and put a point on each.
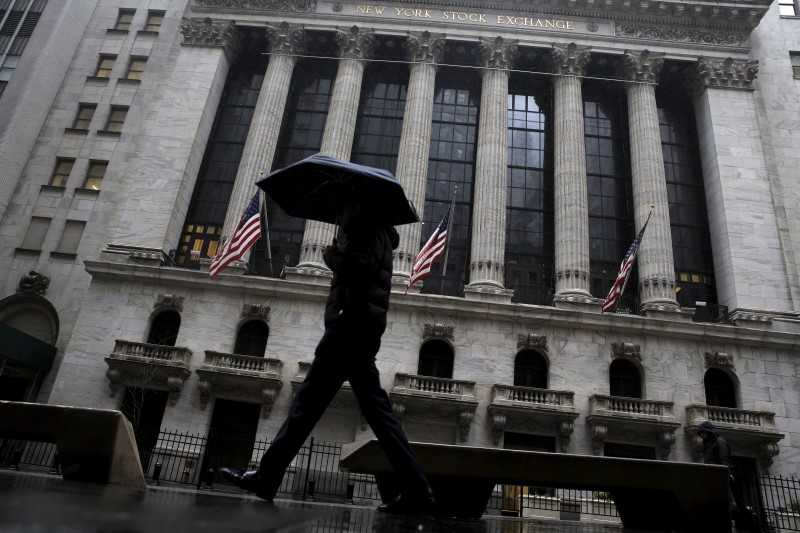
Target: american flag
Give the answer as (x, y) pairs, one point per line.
(624, 271)
(432, 250)
(247, 232)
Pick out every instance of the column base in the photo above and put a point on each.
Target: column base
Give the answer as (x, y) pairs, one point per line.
(578, 302)
(487, 293)
(309, 273)
(666, 309)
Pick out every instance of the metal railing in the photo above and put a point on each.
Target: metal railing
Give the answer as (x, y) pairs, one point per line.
(627, 305)
(532, 295)
(443, 286)
(712, 313)
(267, 268)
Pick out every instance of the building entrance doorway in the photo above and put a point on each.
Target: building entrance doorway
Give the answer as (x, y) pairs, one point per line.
(231, 437)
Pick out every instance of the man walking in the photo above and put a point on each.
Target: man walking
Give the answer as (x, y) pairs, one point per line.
(355, 319)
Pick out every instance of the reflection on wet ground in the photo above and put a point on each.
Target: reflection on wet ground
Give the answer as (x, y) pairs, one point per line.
(36, 503)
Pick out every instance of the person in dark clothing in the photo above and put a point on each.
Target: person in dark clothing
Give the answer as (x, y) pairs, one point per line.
(355, 319)
(717, 452)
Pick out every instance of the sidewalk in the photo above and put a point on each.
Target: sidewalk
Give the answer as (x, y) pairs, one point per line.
(33, 503)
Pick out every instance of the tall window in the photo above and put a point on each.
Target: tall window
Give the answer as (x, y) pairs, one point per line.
(529, 195)
(116, 118)
(252, 339)
(34, 236)
(124, 19)
(609, 185)
(154, 21)
(795, 58)
(454, 135)
(720, 390)
(61, 172)
(530, 370)
(15, 32)
(164, 329)
(95, 175)
(84, 116)
(436, 360)
(206, 215)
(70, 237)
(301, 136)
(136, 68)
(788, 8)
(624, 379)
(104, 66)
(691, 239)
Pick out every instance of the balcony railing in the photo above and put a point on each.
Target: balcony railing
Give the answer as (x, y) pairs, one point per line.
(727, 415)
(170, 355)
(631, 406)
(242, 363)
(434, 386)
(532, 295)
(712, 313)
(503, 394)
(267, 268)
(443, 286)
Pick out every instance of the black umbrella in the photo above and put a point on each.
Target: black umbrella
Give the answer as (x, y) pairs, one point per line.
(319, 186)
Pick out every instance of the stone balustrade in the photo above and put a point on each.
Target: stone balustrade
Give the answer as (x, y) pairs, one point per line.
(515, 408)
(231, 362)
(436, 386)
(148, 366)
(532, 396)
(631, 406)
(245, 377)
(731, 416)
(177, 355)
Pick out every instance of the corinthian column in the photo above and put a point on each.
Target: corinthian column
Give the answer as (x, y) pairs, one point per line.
(355, 47)
(424, 52)
(571, 204)
(285, 42)
(489, 216)
(656, 269)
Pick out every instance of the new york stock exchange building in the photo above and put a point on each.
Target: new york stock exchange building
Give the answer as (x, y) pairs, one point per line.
(132, 139)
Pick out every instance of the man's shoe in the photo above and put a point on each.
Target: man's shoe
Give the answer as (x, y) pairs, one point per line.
(409, 505)
(249, 481)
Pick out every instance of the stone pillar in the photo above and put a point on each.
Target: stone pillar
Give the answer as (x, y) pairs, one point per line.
(355, 46)
(750, 248)
(285, 42)
(489, 216)
(163, 170)
(571, 203)
(424, 52)
(654, 259)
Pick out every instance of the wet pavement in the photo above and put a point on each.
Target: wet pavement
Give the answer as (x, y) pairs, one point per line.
(32, 503)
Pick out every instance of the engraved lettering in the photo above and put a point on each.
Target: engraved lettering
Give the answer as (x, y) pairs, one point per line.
(482, 18)
(360, 9)
(560, 24)
(549, 24)
(569, 25)
(539, 23)
(399, 11)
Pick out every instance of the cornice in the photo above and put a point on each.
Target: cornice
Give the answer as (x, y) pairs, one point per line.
(626, 326)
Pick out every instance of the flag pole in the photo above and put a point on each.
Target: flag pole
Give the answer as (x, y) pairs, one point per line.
(637, 252)
(447, 238)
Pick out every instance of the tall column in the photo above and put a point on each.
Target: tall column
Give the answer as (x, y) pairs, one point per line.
(489, 216)
(285, 42)
(424, 52)
(656, 268)
(355, 47)
(571, 204)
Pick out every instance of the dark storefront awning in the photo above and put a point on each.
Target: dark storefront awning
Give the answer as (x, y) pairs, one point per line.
(26, 350)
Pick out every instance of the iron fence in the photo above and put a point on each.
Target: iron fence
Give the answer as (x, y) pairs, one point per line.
(713, 313)
(532, 295)
(194, 460)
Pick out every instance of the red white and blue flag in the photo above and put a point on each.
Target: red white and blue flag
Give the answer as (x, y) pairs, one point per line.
(624, 271)
(246, 233)
(432, 250)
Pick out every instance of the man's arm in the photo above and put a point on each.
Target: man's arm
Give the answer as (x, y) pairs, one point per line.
(724, 452)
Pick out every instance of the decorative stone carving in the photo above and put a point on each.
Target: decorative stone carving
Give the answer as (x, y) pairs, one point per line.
(697, 448)
(204, 387)
(285, 38)
(643, 67)
(399, 409)
(33, 283)
(570, 60)
(564, 434)
(671, 33)
(174, 384)
(267, 401)
(719, 360)
(724, 74)
(289, 6)
(425, 47)
(627, 350)
(498, 426)
(464, 421)
(665, 441)
(169, 301)
(531, 340)
(114, 380)
(355, 43)
(599, 433)
(206, 32)
(258, 311)
(437, 331)
(766, 451)
(497, 53)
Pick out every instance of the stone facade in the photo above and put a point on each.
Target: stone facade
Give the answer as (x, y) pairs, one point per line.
(108, 295)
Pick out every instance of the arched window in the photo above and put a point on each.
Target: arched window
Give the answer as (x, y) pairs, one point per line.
(625, 379)
(436, 360)
(720, 390)
(530, 370)
(252, 339)
(164, 329)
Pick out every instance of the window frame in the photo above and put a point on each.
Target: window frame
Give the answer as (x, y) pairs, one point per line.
(130, 72)
(794, 58)
(89, 177)
(791, 4)
(149, 25)
(110, 121)
(101, 70)
(56, 173)
(83, 107)
(122, 13)
(33, 241)
(70, 240)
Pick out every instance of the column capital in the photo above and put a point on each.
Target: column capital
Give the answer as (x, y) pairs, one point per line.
(644, 66)
(497, 53)
(569, 60)
(286, 39)
(722, 73)
(355, 43)
(206, 32)
(425, 47)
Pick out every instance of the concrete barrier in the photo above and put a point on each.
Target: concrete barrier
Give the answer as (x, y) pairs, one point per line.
(94, 445)
(649, 495)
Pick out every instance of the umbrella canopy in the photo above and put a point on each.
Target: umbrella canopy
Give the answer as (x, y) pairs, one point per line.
(319, 186)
